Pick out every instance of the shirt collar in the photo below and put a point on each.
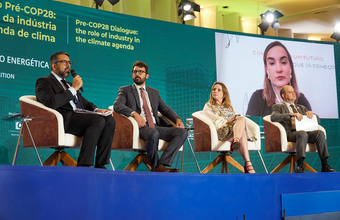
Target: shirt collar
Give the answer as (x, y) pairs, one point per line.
(288, 104)
(138, 87)
(56, 76)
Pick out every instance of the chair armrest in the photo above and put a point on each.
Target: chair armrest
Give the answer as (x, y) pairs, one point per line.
(49, 132)
(275, 136)
(125, 133)
(167, 119)
(254, 129)
(322, 129)
(205, 134)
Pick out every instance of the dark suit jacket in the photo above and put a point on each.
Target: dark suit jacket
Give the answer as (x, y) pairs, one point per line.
(127, 102)
(281, 114)
(51, 93)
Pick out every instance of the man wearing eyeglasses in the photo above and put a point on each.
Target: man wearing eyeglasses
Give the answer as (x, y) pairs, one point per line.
(96, 130)
(143, 103)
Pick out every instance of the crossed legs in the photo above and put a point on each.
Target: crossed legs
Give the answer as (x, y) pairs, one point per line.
(240, 135)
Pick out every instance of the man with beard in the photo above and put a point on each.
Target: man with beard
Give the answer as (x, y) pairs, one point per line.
(143, 103)
(96, 130)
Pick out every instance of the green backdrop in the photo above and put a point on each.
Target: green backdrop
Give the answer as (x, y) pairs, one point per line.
(103, 45)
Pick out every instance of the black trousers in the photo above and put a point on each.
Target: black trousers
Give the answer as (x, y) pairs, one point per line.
(97, 131)
(151, 136)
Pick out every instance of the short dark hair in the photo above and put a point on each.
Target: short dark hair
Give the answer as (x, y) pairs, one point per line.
(141, 64)
(54, 57)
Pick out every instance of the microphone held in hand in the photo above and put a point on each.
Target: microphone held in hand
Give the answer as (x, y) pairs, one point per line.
(74, 74)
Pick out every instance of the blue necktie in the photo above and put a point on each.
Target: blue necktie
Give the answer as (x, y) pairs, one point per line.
(75, 99)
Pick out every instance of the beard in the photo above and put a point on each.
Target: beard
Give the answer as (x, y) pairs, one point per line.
(63, 74)
(138, 80)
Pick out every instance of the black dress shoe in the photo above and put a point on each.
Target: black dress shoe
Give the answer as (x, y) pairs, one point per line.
(100, 166)
(327, 169)
(300, 169)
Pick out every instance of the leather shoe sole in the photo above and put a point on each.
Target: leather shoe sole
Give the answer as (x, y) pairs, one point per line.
(173, 170)
(161, 168)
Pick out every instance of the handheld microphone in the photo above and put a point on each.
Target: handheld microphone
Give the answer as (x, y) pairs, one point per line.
(74, 74)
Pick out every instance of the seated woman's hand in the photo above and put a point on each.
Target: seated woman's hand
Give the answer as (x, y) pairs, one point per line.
(231, 120)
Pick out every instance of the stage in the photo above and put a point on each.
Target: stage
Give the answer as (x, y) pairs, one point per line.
(34, 192)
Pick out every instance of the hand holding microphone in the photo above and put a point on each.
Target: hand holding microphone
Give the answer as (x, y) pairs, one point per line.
(77, 81)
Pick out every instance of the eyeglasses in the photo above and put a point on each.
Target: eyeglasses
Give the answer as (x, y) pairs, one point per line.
(65, 62)
(138, 71)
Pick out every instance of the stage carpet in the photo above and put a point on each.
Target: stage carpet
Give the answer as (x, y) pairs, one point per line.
(33, 192)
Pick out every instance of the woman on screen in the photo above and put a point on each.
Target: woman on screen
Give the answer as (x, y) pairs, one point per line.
(230, 126)
(279, 71)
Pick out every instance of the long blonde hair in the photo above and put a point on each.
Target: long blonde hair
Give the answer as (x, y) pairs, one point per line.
(226, 98)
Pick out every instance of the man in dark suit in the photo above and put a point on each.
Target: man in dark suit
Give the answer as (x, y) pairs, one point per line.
(284, 113)
(143, 103)
(96, 130)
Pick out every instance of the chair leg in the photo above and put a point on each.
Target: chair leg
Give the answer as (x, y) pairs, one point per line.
(132, 166)
(264, 165)
(146, 161)
(60, 156)
(233, 162)
(309, 167)
(224, 159)
(224, 165)
(213, 164)
(282, 164)
(113, 168)
(67, 159)
(137, 161)
(53, 160)
(292, 163)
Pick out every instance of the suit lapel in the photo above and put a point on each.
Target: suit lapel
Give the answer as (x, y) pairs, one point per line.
(135, 93)
(299, 109)
(56, 83)
(285, 108)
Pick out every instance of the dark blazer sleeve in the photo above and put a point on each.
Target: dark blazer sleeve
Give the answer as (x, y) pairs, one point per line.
(125, 102)
(158, 105)
(165, 110)
(279, 113)
(50, 93)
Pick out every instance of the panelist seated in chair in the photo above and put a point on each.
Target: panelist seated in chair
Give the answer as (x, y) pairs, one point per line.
(230, 126)
(143, 103)
(286, 114)
(97, 131)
